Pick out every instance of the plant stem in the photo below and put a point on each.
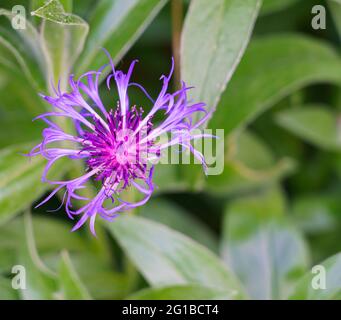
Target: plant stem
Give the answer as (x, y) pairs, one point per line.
(177, 18)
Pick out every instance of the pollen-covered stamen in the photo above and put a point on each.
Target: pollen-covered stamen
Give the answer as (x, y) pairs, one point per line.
(116, 150)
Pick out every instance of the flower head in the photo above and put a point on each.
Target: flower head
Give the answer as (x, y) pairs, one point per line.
(117, 145)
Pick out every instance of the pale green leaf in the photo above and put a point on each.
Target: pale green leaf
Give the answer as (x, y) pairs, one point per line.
(63, 35)
(181, 292)
(316, 124)
(271, 69)
(326, 274)
(115, 26)
(214, 38)
(166, 257)
(262, 246)
(71, 286)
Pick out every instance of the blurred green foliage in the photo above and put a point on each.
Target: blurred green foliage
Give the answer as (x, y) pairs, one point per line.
(256, 230)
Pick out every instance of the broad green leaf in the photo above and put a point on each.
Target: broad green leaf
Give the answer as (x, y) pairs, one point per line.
(315, 124)
(166, 257)
(20, 179)
(331, 270)
(19, 104)
(296, 61)
(63, 36)
(167, 178)
(20, 48)
(179, 219)
(100, 278)
(180, 292)
(71, 286)
(40, 281)
(262, 247)
(316, 213)
(271, 6)
(115, 26)
(248, 163)
(215, 36)
(6, 290)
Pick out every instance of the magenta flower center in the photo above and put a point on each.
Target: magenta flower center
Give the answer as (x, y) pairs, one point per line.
(118, 152)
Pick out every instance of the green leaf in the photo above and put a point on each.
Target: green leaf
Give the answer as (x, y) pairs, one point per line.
(18, 105)
(335, 9)
(6, 290)
(317, 213)
(271, 6)
(180, 292)
(262, 246)
(101, 279)
(296, 61)
(70, 284)
(215, 36)
(179, 219)
(166, 257)
(20, 179)
(20, 49)
(249, 163)
(115, 26)
(315, 124)
(305, 290)
(40, 281)
(63, 36)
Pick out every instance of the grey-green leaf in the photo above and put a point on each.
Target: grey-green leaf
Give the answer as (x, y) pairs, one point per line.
(179, 219)
(315, 124)
(181, 292)
(115, 26)
(63, 36)
(249, 163)
(323, 282)
(272, 68)
(215, 36)
(262, 246)
(22, 49)
(20, 179)
(166, 257)
(71, 286)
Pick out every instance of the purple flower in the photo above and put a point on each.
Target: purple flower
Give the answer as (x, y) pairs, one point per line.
(119, 146)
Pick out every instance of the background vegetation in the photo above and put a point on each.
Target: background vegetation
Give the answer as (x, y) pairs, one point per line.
(253, 232)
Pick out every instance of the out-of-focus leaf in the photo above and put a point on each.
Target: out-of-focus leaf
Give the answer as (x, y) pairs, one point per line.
(70, 283)
(215, 36)
(40, 281)
(102, 281)
(51, 236)
(296, 61)
(20, 48)
(248, 163)
(63, 36)
(271, 6)
(20, 179)
(167, 178)
(335, 9)
(115, 25)
(316, 213)
(262, 247)
(6, 290)
(176, 218)
(181, 292)
(166, 257)
(315, 124)
(332, 272)
(19, 103)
